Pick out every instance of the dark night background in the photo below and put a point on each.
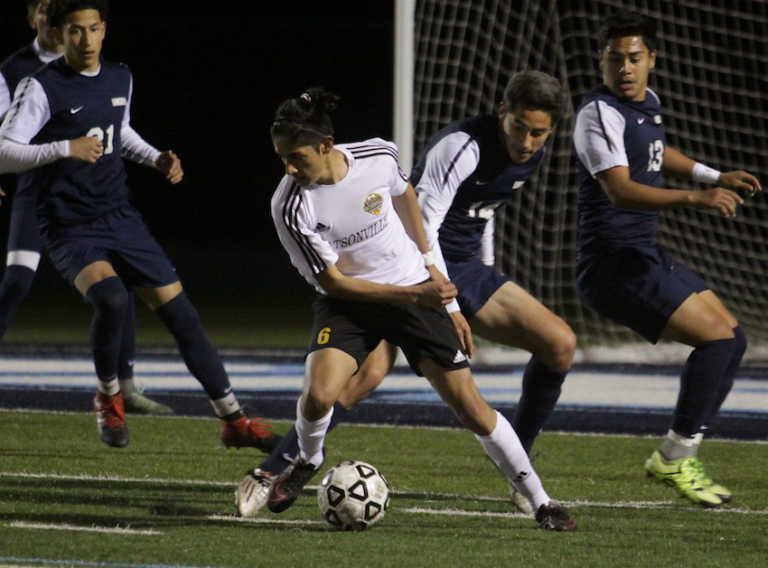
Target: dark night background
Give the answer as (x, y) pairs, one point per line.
(207, 79)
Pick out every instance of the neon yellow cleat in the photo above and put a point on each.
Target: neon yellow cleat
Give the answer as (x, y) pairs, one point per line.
(686, 476)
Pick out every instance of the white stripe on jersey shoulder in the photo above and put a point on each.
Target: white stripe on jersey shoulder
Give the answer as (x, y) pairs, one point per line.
(292, 199)
(653, 93)
(372, 147)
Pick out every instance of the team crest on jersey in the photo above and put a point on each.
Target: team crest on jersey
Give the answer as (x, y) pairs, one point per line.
(119, 101)
(373, 204)
(657, 119)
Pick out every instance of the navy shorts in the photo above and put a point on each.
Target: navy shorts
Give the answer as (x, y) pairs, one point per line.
(476, 282)
(121, 238)
(24, 232)
(357, 328)
(638, 287)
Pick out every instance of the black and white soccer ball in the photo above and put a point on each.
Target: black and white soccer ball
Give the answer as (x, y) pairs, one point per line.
(353, 496)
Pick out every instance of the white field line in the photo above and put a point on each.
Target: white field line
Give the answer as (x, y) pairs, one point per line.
(417, 494)
(92, 528)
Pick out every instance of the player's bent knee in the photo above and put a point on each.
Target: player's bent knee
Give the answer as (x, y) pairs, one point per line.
(314, 407)
(560, 348)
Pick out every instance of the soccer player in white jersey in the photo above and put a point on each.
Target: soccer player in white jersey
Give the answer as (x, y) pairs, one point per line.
(351, 224)
(24, 243)
(66, 134)
(624, 274)
(467, 170)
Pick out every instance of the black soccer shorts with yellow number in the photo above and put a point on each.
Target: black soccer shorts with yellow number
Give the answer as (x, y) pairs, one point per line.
(357, 328)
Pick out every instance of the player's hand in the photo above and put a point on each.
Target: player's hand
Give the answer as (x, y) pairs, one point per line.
(435, 294)
(723, 200)
(88, 149)
(740, 180)
(170, 165)
(464, 332)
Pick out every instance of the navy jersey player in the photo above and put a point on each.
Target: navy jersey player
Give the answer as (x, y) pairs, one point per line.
(351, 224)
(66, 130)
(624, 274)
(24, 243)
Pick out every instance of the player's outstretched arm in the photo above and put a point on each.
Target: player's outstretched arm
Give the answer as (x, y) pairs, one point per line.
(169, 165)
(677, 163)
(430, 294)
(626, 193)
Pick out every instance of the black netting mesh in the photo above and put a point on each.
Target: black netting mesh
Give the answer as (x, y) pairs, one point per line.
(712, 77)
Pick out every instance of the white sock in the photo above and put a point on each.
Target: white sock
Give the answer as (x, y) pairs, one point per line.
(225, 405)
(110, 387)
(504, 448)
(311, 436)
(676, 447)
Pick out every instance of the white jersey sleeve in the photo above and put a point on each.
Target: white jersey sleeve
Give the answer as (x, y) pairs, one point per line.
(135, 148)
(448, 163)
(27, 115)
(598, 137)
(296, 229)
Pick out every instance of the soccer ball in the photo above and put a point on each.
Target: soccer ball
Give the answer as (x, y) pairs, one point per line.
(353, 496)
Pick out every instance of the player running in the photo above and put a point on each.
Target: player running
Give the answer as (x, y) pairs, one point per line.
(24, 243)
(623, 272)
(351, 224)
(66, 130)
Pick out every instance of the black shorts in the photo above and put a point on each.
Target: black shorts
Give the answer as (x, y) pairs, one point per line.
(638, 287)
(121, 238)
(357, 328)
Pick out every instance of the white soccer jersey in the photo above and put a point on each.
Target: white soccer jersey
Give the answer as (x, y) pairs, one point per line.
(352, 224)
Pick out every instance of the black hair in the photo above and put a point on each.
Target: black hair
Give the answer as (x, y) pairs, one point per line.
(58, 10)
(534, 90)
(625, 24)
(31, 5)
(305, 120)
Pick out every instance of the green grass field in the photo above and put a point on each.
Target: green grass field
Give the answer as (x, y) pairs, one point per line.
(170, 493)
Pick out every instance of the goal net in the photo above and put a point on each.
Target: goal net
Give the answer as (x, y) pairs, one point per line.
(711, 76)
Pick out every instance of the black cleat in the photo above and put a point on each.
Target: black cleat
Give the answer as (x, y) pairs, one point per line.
(287, 487)
(554, 517)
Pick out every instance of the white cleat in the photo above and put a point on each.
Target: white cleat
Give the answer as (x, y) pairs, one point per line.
(252, 493)
(520, 501)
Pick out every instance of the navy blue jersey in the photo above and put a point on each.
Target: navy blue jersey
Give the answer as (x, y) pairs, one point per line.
(465, 173)
(73, 191)
(608, 133)
(17, 66)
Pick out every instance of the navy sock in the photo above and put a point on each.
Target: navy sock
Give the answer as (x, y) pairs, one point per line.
(109, 299)
(202, 358)
(288, 447)
(700, 383)
(726, 383)
(17, 280)
(128, 344)
(541, 389)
